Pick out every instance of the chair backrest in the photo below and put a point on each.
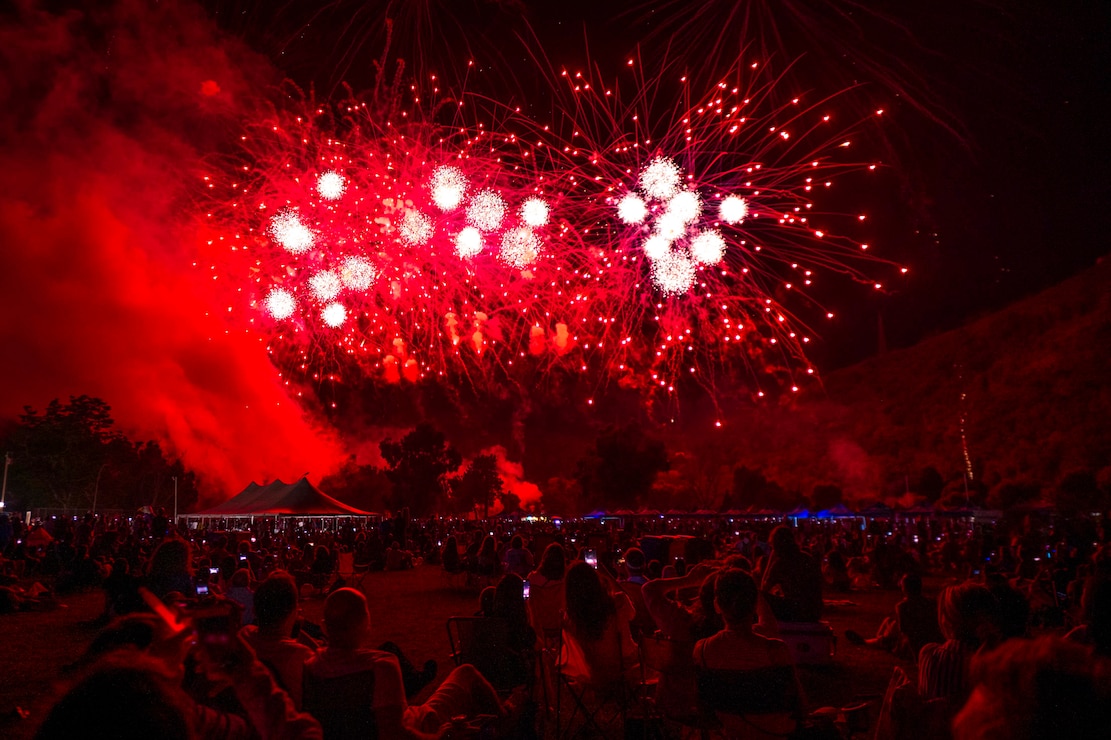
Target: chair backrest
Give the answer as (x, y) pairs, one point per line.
(664, 655)
(343, 704)
(484, 642)
(768, 690)
(346, 563)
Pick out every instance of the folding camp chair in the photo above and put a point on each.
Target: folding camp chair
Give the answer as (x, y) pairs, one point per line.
(484, 643)
(351, 574)
(592, 696)
(342, 705)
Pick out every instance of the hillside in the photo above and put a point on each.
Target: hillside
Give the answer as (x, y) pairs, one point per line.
(1036, 403)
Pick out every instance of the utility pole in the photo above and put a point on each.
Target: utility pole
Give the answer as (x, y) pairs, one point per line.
(96, 488)
(4, 489)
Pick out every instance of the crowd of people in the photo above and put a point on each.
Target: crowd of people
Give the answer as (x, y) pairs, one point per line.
(202, 635)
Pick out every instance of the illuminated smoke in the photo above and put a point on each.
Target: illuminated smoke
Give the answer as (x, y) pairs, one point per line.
(708, 248)
(289, 231)
(468, 243)
(486, 210)
(534, 212)
(325, 285)
(331, 185)
(733, 210)
(358, 273)
(631, 209)
(415, 228)
(449, 185)
(660, 179)
(280, 303)
(520, 247)
(673, 273)
(334, 314)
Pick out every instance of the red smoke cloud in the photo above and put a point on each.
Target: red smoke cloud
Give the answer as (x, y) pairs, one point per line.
(105, 118)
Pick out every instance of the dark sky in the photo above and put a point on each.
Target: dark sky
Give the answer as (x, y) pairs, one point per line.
(997, 184)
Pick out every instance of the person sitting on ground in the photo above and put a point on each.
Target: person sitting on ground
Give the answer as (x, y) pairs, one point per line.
(272, 640)
(517, 558)
(913, 625)
(465, 693)
(398, 559)
(739, 648)
(792, 582)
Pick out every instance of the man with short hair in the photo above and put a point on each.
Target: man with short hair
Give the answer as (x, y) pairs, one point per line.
(347, 623)
(275, 605)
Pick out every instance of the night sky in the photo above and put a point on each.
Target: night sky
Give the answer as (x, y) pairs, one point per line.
(997, 184)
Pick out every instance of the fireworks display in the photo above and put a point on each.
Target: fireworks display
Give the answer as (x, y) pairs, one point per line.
(629, 247)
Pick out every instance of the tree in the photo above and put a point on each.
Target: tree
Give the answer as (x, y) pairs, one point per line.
(70, 455)
(1009, 493)
(1078, 492)
(510, 503)
(621, 466)
(479, 485)
(418, 468)
(365, 487)
(930, 484)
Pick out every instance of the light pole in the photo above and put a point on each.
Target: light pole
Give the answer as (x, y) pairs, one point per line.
(4, 489)
(96, 488)
(175, 501)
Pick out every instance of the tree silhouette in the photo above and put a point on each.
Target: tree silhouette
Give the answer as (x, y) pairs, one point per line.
(418, 468)
(621, 466)
(479, 485)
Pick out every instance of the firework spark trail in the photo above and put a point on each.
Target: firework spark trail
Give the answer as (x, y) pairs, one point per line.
(506, 246)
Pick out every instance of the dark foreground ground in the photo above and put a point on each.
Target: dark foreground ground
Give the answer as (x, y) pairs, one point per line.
(409, 608)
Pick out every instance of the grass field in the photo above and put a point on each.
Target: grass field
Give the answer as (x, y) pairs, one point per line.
(407, 607)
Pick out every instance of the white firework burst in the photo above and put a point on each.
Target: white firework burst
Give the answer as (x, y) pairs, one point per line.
(449, 185)
(708, 248)
(733, 209)
(520, 247)
(673, 273)
(331, 185)
(486, 210)
(288, 230)
(415, 229)
(660, 179)
(469, 242)
(358, 273)
(325, 285)
(631, 209)
(280, 303)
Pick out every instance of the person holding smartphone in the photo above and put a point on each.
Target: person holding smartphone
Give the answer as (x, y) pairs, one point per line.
(597, 625)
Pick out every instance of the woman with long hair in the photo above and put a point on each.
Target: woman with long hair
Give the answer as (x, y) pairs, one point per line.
(545, 602)
(597, 624)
